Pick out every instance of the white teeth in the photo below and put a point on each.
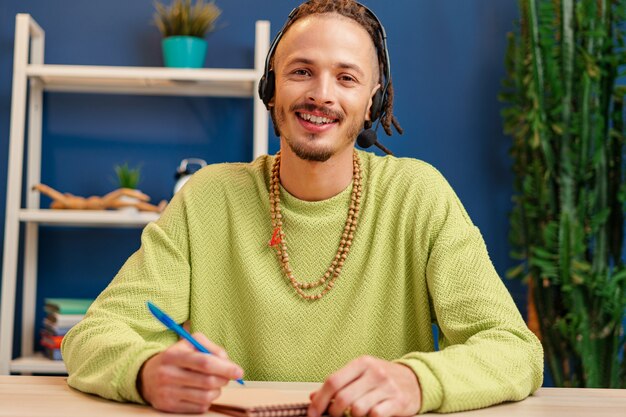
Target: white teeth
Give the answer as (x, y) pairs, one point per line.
(315, 119)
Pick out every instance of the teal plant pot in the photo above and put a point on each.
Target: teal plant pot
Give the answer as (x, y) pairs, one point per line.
(184, 51)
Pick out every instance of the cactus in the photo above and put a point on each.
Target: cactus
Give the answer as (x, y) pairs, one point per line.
(565, 113)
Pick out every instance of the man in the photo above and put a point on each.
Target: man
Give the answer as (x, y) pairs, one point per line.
(391, 244)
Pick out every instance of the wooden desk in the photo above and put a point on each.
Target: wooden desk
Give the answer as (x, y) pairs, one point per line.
(28, 396)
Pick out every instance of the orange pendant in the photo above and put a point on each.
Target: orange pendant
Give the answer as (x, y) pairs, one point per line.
(276, 238)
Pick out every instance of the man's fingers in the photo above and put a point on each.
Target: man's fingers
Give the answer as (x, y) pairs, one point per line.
(212, 347)
(185, 407)
(201, 397)
(364, 405)
(386, 408)
(186, 400)
(184, 355)
(368, 387)
(352, 393)
(207, 382)
(334, 384)
(181, 379)
(186, 378)
(207, 364)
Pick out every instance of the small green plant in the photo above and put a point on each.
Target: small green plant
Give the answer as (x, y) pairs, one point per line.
(184, 19)
(127, 177)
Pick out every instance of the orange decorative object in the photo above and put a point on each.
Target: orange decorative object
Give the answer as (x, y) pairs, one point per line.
(111, 200)
(276, 239)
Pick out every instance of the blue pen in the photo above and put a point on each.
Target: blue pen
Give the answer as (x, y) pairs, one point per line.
(172, 325)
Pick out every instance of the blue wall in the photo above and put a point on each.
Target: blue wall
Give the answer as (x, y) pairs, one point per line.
(447, 61)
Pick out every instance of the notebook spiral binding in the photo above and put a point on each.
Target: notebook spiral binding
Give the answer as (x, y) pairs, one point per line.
(294, 410)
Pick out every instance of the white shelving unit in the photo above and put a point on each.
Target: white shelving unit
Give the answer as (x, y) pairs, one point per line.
(29, 70)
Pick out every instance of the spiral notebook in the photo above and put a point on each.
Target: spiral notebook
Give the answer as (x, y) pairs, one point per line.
(262, 402)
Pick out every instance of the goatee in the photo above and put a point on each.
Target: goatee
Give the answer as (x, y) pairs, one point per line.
(301, 148)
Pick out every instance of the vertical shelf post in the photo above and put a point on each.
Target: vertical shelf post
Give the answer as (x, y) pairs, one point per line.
(31, 238)
(260, 122)
(25, 27)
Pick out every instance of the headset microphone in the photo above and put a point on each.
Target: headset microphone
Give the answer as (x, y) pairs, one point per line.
(368, 138)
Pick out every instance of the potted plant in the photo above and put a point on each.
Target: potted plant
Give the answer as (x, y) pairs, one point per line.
(184, 27)
(128, 177)
(567, 117)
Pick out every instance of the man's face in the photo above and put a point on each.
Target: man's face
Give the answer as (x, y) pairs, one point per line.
(326, 74)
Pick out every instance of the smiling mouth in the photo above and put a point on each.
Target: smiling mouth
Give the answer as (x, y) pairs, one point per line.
(317, 120)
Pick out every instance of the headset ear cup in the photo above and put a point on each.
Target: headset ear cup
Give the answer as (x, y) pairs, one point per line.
(266, 88)
(377, 104)
(270, 87)
(261, 91)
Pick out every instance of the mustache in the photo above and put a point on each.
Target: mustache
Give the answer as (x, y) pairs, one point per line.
(310, 107)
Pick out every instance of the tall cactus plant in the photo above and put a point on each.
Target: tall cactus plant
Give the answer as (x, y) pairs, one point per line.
(566, 70)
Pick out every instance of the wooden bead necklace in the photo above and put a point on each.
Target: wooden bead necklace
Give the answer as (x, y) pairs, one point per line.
(278, 236)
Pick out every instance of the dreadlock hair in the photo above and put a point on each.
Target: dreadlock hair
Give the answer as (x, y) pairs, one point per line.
(355, 11)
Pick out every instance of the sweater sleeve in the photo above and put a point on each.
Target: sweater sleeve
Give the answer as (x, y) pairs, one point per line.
(487, 354)
(104, 352)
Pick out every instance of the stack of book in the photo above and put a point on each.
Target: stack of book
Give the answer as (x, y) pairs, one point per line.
(61, 315)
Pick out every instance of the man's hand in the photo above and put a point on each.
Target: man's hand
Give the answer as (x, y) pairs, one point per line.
(370, 387)
(182, 380)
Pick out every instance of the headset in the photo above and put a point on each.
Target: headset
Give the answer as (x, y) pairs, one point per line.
(366, 138)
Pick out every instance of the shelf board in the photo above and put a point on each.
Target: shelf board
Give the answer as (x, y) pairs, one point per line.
(87, 218)
(146, 80)
(37, 364)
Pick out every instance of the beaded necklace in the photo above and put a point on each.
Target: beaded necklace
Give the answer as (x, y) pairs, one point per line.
(278, 240)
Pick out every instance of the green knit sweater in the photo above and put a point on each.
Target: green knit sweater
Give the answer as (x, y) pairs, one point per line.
(416, 259)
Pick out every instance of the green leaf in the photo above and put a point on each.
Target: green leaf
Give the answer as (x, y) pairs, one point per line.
(184, 19)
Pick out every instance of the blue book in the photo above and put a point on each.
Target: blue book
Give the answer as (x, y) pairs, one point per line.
(55, 329)
(67, 305)
(54, 354)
